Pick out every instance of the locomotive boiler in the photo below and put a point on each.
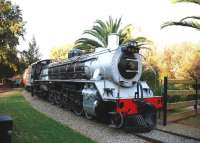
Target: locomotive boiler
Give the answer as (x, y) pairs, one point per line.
(104, 85)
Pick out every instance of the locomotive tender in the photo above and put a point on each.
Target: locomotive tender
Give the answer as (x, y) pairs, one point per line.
(104, 85)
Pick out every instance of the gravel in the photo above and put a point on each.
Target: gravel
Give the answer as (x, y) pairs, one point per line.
(99, 132)
(168, 138)
(181, 129)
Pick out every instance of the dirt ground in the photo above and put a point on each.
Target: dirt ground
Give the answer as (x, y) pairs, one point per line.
(4, 89)
(192, 121)
(9, 91)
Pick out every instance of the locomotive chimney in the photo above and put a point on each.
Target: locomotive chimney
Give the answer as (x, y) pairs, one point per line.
(113, 41)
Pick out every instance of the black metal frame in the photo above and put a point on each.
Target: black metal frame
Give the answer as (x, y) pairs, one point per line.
(165, 99)
(196, 96)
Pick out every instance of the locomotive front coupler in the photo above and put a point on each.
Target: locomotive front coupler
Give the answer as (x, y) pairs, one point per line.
(135, 123)
(133, 115)
(143, 121)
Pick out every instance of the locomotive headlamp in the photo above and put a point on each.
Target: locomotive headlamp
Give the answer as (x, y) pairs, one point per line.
(132, 44)
(131, 47)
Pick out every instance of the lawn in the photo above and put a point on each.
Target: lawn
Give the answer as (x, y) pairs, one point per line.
(31, 126)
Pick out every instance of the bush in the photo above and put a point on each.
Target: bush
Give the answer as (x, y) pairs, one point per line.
(152, 80)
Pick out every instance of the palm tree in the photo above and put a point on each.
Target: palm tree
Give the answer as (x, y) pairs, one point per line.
(98, 35)
(189, 21)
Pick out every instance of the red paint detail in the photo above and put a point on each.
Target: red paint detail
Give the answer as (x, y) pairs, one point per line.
(127, 106)
(156, 101)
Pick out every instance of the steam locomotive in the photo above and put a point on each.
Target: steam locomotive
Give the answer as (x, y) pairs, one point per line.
(104, 85)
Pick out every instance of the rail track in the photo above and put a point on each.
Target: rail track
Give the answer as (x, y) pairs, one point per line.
(162, 136)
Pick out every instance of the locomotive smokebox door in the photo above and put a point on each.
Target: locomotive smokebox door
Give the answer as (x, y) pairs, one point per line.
(6, 124)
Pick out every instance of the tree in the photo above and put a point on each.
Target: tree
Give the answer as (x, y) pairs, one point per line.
(8, 63)
(60, 52)
(32, 54)
(11, 24)
(11, 29)
(177, 61)
(194, 70)
(6, 71)
(189, 21)
(98, 35)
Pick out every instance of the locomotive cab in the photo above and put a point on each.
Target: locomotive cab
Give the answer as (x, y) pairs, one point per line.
(39, 77)
(75, 52)
(38, 67)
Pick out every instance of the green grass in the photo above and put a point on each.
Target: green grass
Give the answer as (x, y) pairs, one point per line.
(31, 126)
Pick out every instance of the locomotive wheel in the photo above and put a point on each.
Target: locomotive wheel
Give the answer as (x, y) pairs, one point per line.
(66, 103)
(51, 97)
(117, 120)
(58, 99)
(32, 91)
(150, 119)
(77, 109)
(88, 116)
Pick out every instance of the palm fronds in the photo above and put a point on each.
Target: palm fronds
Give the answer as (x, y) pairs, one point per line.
(191, 24)
(98, 35)
(189, 21)
(100, 31)
(190, 17)
(191, 1)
